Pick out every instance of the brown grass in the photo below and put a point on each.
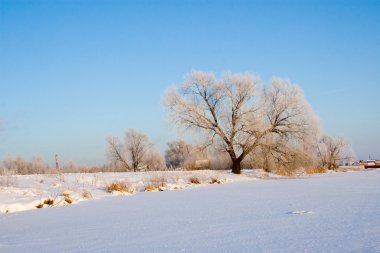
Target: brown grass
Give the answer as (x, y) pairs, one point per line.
(316, 170)
(86, 194)
(65, 194)
(49, 202)
(119, 187)
(40, 205)
(177, 187)
(215, 181)
(154, 188)
(151, 188)
(194, 180)
(68, 200)
(286, 172)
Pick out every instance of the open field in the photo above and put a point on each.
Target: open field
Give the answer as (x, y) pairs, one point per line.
(337, 212)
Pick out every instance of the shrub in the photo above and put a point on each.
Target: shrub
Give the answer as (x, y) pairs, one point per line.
(86, 194)
(286, 172)
(66, 194)
(68, 200)
(177, 187)
(49, 202)
(40, 205)
(151, 188)
(194, 180)
(216, 181)
(119, 187)
(316, 170)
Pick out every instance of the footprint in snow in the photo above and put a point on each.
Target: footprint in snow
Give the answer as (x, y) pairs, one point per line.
(300, 212)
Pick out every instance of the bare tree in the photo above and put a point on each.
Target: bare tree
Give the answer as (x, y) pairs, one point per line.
(238, 115)
(116, 152)
(154, 160)
(20, 166)
(176, 153)
(332, 151)
(137, 144)
(131, 154)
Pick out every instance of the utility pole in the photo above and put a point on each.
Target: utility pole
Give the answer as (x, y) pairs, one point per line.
(56, 162)
(61, 178)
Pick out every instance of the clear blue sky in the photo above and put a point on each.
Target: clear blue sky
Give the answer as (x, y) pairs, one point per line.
(74, 72)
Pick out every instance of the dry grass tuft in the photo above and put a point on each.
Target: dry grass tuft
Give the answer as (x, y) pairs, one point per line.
(86, 194)
(194, 180)
(68, 200)
(151, 188)
(66, 194)
(316, 170)
(40, 205)
(286, 172)
(216, 181)
(119, 187)
(49, 202)
(154, 188)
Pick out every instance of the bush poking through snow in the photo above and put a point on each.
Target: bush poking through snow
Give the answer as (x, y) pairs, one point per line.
(216, 181)
(119, 187)
(151, 188)
(194, 180)
(40, 205)
(49, 202)
(176, 187)
(86, 194)
(154, 188)
(66, 194)
(68, 200)
(316, 170)
(286, 172)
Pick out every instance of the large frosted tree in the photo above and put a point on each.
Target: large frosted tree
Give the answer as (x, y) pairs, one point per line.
(239, 115)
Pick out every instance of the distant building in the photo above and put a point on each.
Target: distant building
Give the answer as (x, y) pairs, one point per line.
(370, 163)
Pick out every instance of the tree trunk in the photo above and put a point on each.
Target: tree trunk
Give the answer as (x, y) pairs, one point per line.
(236, 168)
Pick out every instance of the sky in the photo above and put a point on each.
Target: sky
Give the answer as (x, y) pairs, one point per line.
(74, 72)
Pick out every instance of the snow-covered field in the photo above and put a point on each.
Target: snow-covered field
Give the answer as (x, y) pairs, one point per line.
(25, 192)
(337, 212)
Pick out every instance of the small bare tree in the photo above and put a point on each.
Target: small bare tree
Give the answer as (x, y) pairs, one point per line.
(332, 151)
(131, 154)
(154, 160)
(137, 144)
(116, 152)
(177, 153)
(238, 115)
(20, 166)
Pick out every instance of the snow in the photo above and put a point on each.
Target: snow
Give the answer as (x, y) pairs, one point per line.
(26, 192)
(336, 212)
